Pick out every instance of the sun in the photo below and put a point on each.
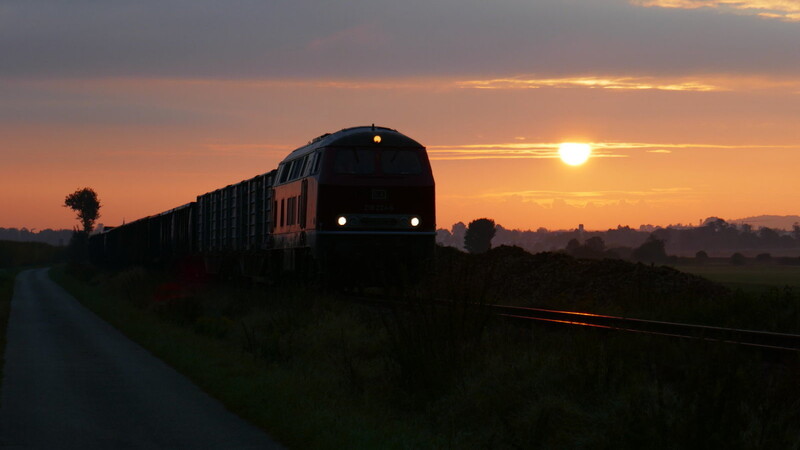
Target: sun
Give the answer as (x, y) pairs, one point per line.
(574, 154)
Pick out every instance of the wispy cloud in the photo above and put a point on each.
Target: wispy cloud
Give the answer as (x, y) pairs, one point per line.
(787, 10)
(547, 150)
(508, 151)
(593, 82)
(555, 198)
(704, 83)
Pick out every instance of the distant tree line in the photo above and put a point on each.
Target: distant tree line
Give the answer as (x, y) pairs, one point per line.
(16, 254)
(647, 243)
(57, 238)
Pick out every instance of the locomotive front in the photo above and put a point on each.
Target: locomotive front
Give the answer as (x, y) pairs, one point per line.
(375, 211)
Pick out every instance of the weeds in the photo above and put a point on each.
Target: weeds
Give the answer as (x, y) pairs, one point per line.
(446, 376)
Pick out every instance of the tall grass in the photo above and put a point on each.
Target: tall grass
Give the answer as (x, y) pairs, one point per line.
(320, 373)
(18, 254)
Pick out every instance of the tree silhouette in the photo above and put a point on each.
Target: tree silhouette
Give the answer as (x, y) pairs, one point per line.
(764, 258)
(573, 245)
(595, 244)
(478, 238)
(738, 259)
(87, 205)
(653, 250)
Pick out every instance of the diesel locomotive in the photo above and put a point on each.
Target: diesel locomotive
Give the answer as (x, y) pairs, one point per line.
(354, 203)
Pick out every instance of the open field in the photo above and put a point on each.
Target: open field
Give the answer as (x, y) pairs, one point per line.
(316, 372)
(749, 278)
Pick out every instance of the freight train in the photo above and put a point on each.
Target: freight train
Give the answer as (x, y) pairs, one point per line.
(356, 203)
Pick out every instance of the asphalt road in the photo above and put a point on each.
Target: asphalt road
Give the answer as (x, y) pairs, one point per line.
(74, 382)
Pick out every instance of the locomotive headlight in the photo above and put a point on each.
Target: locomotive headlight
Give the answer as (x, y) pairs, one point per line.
(415, 221)
(342, 220)
(376, 139)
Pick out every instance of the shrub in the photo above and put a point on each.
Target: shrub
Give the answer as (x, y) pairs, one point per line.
(738, 259)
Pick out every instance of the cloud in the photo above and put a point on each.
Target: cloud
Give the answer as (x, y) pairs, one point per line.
(507, 151)
(786, 10)
(549, 150)
(618, 83)
(365, 40)
(582, 199)
(704, 83)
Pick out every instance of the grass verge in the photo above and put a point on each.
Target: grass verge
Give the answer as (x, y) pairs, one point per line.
(316, 373)
(299, 405)
(754, 278)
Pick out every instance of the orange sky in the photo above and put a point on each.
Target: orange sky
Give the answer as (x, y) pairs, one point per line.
(712, 133)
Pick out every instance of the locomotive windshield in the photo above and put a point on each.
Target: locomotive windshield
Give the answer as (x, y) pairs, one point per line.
(366, 161)
(354, 161)
(403, 162)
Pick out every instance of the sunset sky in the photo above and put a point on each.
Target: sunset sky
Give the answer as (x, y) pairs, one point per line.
(692, 106)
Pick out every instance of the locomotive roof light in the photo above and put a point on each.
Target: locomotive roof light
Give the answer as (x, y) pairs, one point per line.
(376, 139)
(415, 221)
(342, 221)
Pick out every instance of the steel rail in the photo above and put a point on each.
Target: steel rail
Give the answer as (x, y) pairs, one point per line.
(762, 339)
(751, 338)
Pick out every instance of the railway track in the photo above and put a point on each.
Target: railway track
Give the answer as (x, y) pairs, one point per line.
(762, 339)
(750, 338)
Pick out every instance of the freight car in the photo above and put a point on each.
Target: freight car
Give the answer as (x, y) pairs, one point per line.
(355, 203)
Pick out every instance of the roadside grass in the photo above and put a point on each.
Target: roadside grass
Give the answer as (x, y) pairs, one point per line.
(752, 278)
(315, 372)
(256, 364)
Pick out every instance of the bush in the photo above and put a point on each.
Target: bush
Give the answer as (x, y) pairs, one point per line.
(738, 259)
(15, 254)
(764, 258)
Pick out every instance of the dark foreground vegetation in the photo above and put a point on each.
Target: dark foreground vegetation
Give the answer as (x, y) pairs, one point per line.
(512, 276)
(318, 372)
(18, 254)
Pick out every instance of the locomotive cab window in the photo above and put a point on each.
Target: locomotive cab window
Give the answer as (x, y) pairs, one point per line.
(317, 160)
(285, 169)
(313, 163)
(401, 162)
(297, 167)
(354, 161)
